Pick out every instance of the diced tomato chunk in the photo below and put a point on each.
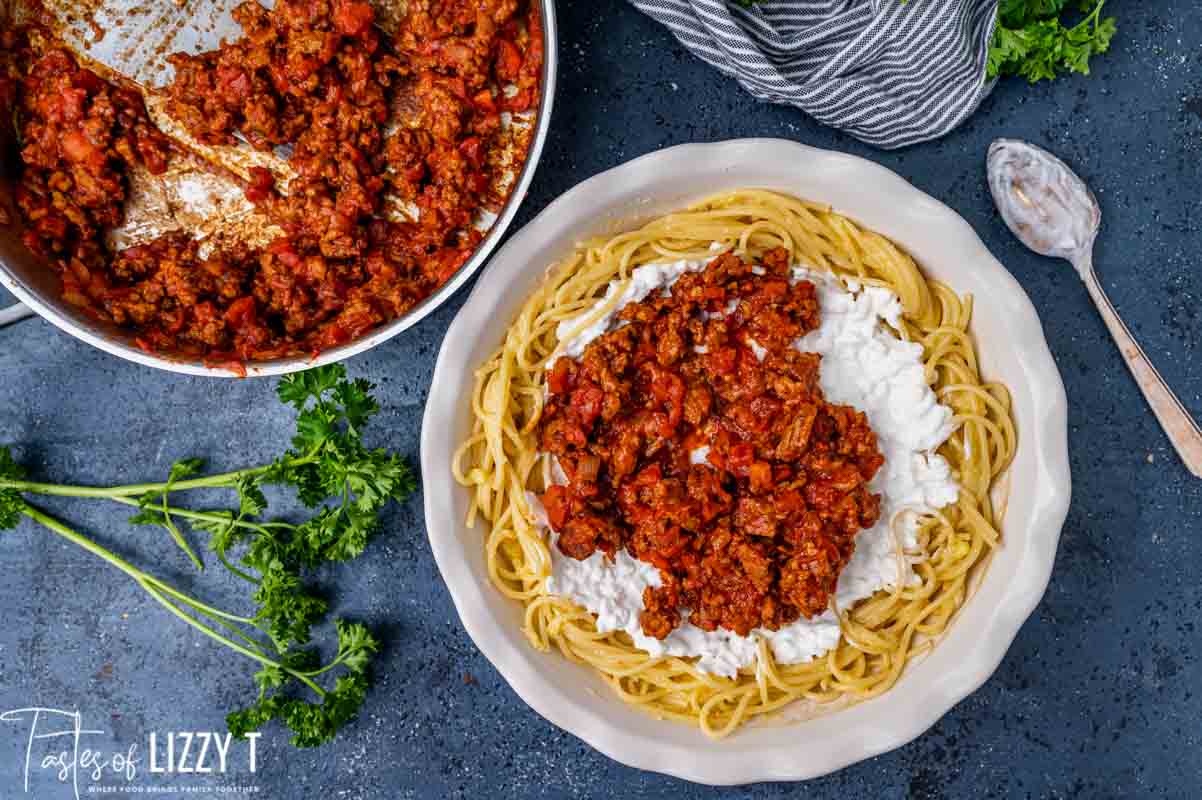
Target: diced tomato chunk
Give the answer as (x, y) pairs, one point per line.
(471, 149)
(508, 66)
(76, 147)
(587, 400)
(722, 361)
(241, 312)
(262, 182)
(740, 458)
(559, 379)
(353, 19)
(484, 101)
(556, 503)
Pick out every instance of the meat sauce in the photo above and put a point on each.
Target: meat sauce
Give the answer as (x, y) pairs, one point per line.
(80, 135)
(317, 75)
(755, 536)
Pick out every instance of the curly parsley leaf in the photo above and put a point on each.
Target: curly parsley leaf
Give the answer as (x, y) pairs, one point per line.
(1031, 40)
(9, 468)
(357, 403)
(270, 678)
(356, 645)
(311, 724)
(287, 611)
(277, 675)
(315, 427)
(250, 719)
(223, 530)
(333, 535)
(300, 387)
(11, 504)
(184, 468)
(251, 500)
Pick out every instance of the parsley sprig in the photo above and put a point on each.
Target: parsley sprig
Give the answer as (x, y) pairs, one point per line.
(332, 472)
(1031, 40)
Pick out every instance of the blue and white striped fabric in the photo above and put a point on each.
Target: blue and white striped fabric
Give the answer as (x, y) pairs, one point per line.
(889, 72)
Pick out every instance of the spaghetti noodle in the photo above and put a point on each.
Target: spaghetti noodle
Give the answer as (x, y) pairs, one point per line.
(500, 462)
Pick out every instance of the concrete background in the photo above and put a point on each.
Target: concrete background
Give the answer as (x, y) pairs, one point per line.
(1101, 694)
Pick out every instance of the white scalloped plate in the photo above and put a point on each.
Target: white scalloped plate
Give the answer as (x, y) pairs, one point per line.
(1013, 350)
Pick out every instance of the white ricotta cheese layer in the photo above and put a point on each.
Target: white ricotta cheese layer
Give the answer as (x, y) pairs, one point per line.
(863, 365)
(643, 280)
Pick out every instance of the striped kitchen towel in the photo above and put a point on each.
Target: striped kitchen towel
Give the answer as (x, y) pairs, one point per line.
(889, 72)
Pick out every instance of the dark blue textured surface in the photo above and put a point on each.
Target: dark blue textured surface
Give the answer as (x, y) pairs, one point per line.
(1101, 694)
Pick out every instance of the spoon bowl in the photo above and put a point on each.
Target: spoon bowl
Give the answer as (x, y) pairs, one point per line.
(1043, 202)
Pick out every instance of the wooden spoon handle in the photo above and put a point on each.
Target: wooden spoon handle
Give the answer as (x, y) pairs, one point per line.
(1180, 427)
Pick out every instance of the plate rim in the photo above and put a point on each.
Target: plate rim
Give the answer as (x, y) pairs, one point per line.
(1048, 432)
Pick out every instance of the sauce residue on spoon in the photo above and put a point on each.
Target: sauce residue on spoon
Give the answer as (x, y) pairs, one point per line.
(1043, 202)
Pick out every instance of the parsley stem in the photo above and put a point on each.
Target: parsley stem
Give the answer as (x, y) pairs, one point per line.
(314, 673)
(39, 516)
(235, 570)
(224, 479)
(167, 511)
(163, 594)
(1091, 20)
(229, 626)
(154, 592)
(143, 578)
(180, 541)
(196, 604)
(205, 516)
